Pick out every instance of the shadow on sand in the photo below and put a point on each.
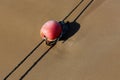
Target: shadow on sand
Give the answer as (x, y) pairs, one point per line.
(94, 6)
(73, 28)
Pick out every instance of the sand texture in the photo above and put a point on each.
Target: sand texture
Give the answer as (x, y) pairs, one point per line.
(92, 53)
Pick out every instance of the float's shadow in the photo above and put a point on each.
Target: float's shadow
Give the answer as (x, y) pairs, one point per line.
(73, 28)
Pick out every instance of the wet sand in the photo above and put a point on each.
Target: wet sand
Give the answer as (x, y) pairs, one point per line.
(92, 53)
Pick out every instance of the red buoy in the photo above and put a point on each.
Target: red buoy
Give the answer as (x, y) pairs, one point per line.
(51, 30)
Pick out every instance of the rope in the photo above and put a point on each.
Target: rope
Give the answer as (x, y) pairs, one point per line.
(19, 64)
(83, 10)
(40, 58)
(35, 63)
(73, 10)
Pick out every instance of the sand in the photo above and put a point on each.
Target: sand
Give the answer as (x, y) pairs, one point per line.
(92, 53)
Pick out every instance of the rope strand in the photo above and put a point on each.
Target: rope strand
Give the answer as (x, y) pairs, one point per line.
(35, 63)
(23, 60)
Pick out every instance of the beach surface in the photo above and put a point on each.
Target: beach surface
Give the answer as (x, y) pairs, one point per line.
(92, 53)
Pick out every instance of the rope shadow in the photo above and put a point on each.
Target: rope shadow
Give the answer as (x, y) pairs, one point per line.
(36, 62)
(22, 61)
(97, 4)
(72, 27)
(73, 9)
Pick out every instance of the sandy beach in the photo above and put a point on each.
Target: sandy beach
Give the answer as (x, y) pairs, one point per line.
(92, 53)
